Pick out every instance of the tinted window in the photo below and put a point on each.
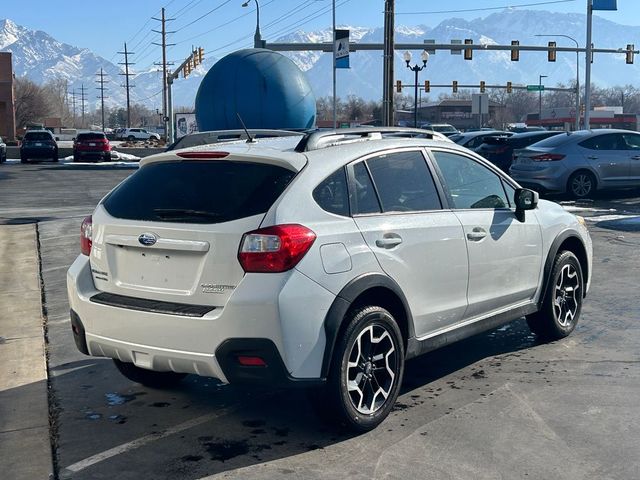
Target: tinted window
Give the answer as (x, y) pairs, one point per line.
(470, 184)
(611, 141)
(34, 136)
(631, 139)
(364, 197)
(332, 194)
(403, 182)
(198, 192)
(90, 136)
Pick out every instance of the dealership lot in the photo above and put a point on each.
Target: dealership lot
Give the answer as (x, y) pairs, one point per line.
(496, 405)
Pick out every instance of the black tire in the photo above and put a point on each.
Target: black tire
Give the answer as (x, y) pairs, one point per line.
(76, 157)
(149, 378)
(581, 184)
(23, 159)
(372, 407)
(562, 304)
(131, 138)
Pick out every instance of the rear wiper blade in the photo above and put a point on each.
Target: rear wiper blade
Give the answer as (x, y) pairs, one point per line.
(183, 212)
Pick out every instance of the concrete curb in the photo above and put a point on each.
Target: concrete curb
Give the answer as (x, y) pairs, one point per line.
(25, 447)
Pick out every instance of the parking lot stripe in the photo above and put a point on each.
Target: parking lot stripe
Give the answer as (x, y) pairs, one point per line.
(142, 441)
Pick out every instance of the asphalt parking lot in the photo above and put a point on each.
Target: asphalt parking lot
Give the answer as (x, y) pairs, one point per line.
(498, 405)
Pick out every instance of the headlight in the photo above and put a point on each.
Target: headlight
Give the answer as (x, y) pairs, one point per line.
(582, 221)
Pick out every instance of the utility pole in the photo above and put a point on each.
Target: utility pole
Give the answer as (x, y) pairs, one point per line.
(587, 68)
(73, 101)
(82, 100)
(388, 57)
(335, 114)
(126, 85)
(163, 32)
(102, 81)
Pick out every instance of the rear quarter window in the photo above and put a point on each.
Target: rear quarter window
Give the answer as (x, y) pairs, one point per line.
(198, 191)
(332, 194)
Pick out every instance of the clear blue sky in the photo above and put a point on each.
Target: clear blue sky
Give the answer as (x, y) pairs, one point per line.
(104, 26)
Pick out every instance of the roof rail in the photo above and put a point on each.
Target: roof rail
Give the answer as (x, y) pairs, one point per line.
(329, 138)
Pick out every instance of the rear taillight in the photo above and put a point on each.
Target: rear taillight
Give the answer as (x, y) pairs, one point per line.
(86, 234)
(547, 157)
(202, 154)
(274, 249)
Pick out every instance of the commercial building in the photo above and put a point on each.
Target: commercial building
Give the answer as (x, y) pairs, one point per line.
(453, 111)
(601, 117)
(7, 105)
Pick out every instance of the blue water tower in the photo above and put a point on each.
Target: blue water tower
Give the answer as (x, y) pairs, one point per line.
(266, 88)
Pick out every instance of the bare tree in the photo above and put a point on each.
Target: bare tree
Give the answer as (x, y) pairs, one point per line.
(31, 102)
(56, 93)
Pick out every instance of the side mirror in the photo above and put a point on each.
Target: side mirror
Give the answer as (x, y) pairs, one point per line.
(525, 199)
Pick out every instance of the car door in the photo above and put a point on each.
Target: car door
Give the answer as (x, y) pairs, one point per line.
(633, 153)
(607, 155)
(505, 255)
(398, 209)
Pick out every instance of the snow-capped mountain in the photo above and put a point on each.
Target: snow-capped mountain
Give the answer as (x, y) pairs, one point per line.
(41, 57)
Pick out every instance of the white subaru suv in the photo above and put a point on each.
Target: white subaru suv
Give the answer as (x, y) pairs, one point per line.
(325, 261)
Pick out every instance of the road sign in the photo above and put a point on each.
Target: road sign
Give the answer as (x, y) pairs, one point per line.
(479, 104)
(535, 88)
(341, 49)
(604, 5)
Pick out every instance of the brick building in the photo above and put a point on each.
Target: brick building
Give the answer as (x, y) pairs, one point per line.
(7, 107)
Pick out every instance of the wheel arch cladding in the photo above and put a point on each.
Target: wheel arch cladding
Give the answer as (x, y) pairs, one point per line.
(368, 289)
(567, 240)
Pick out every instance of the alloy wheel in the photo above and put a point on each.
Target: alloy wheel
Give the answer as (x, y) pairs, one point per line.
(581, 185)
(566, 295)
(371, 369)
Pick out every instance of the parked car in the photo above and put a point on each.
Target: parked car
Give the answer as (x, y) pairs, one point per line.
(444, 128)
(91, 146)
(499, 150)
(472, 140)
(218, 136)
(3, 151)
(132, 134)
(324, 261)
(38, 144)
(579, 163)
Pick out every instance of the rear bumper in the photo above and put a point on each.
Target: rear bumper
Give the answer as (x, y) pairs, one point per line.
(34, 152)
(93, 154)
(547, 179)
(280, 316)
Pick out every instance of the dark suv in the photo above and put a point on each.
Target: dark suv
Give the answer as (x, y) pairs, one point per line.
(38, 144)
(91, 146)
(499, 150)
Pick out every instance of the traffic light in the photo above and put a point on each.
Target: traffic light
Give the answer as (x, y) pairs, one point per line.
(195, 59)
(398, 86)
(551, 53)
(186, 70)
(515, 53)
(630, 48)
(427, 86)
(455, 86)
(509, 87)
(200, 55)
(482, 85)
(468, 53)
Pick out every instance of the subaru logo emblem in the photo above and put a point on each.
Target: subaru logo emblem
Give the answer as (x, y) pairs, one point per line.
(147, 239)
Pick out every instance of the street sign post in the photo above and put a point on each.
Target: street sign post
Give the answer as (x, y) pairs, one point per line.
(535, 88)
(341, 49)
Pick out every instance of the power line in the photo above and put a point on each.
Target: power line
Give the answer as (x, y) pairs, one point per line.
(487, 8)
(82, 99)
(204, 15)
(177, 14)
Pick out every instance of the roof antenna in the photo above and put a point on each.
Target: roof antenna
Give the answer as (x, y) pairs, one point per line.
(249, 137)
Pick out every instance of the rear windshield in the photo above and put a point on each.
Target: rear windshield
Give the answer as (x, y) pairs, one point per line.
(198, 191)
(554, 141)
(37, 136)
(90, 136)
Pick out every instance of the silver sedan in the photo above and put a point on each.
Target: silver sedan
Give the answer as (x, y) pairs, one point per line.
(580, 163)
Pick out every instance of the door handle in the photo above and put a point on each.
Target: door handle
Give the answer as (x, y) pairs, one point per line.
(636, 157)
(389, 240)
(477, 234)
(592, 157)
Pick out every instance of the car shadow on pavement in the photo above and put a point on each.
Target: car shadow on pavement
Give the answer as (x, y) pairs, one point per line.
(202, 427)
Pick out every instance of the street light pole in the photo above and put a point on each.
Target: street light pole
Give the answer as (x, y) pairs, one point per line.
(577, 73)
(416, 69)
(540, 96)
(257, 38)
(587, 69)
